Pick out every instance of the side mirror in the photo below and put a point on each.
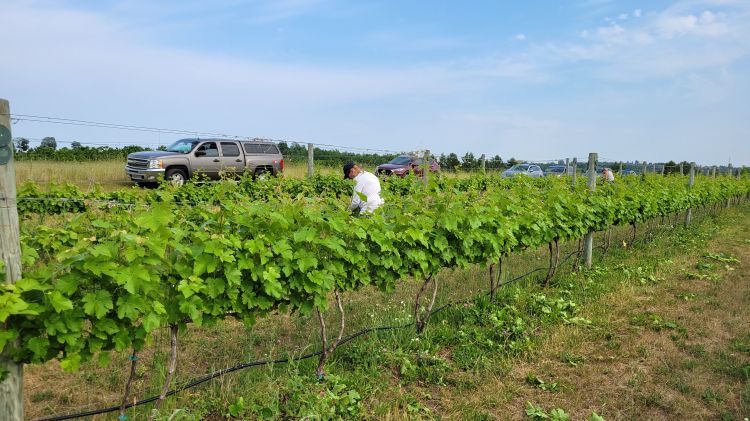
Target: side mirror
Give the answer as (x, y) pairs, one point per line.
(200, 153)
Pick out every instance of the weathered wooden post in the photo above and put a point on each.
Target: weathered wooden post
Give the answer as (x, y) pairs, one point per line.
(620, 169)
(681, 172)
(575, 171)
(645, 167)
(588, 240)
(310, 160)
(11, 388)
(483, 165)
(691, 181)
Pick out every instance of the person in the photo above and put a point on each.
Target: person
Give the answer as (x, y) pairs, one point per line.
(366, 197)
(607, 175)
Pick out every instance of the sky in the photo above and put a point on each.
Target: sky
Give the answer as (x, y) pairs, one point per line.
(535, 80)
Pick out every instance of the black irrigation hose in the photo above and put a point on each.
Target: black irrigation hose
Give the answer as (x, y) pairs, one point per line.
(256, 363)
(227, 371)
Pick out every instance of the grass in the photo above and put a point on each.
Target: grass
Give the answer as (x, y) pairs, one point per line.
(617, 326)
(110, 175)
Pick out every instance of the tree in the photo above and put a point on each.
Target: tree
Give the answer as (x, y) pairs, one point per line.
(76, 145)
(49, 142)
(468, 162)
(451, 162)
(513, 161)
(22, 144)
(495, 162)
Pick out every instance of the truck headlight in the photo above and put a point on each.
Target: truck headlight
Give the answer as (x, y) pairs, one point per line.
(155, 163)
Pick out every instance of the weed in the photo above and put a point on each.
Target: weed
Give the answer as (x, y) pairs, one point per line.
(536, 412)
(537, 382)
(237, 409)
(711, 396)
(571, 359)
(653, 399)
(652, 321)
(680, 385)
(703, 276)
(42, 396)
(722, 257)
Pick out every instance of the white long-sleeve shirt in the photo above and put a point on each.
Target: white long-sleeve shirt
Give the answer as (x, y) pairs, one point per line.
(369, 185)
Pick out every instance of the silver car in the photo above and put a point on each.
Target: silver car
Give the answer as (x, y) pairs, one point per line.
(525, 169)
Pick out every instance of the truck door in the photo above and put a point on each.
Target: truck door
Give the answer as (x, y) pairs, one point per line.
(232, 162)
(207, 160)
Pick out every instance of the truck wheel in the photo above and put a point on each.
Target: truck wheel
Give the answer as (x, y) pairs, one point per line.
(176, 176)
(261, 174)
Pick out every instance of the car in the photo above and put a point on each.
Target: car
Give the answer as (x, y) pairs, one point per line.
(404, 165)
(530, 170)
(558, 171)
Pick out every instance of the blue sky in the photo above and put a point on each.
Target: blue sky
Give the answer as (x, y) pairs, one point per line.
(649, 80)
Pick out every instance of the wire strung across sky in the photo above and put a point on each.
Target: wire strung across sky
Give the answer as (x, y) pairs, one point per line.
(87, 123)
(130, 127)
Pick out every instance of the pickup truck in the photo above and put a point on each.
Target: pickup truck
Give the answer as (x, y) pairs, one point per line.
(212, 158)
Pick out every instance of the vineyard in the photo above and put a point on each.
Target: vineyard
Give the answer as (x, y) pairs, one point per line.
(103, 271)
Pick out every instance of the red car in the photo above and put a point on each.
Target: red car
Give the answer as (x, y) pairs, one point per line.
(404, 165)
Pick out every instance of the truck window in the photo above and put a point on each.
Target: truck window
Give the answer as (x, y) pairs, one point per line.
(210, 149)
(229, 149)
(260, 148)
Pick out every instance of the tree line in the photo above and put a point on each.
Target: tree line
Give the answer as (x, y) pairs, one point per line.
(295, 153)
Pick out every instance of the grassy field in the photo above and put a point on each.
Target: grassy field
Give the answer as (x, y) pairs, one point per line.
(655, 330)
(110, 175)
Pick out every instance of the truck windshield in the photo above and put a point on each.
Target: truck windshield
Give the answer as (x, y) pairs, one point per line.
(183, 146)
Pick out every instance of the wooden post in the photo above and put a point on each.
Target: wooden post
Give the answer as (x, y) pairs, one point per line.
(588, 240)
(567, 165)
(681, 172)
(691, 181)
(620, 169)
(482, 161)
(713, 172)
(662, 168)
(426, 171)
(575, 171)
(11, 389)
(645, 167)
(310, 160)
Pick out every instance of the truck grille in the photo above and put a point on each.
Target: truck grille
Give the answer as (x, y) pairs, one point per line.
(137, 163)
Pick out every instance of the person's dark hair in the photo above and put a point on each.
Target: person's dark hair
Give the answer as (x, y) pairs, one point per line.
(348, 167)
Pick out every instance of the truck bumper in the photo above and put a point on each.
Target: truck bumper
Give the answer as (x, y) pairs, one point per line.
(144, 175)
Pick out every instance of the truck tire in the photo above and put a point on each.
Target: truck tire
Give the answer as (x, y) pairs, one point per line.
(261, 173)
(176, 176)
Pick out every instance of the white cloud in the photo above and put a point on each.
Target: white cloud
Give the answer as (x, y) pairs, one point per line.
(520, 37)
(623, 16)
(637, 13)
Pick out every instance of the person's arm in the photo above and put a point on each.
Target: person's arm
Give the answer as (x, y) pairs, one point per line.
(357, 201)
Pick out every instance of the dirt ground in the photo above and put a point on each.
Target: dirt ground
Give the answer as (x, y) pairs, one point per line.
(673, 344)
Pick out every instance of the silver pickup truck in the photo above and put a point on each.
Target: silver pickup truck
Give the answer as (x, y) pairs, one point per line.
(212, 158)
